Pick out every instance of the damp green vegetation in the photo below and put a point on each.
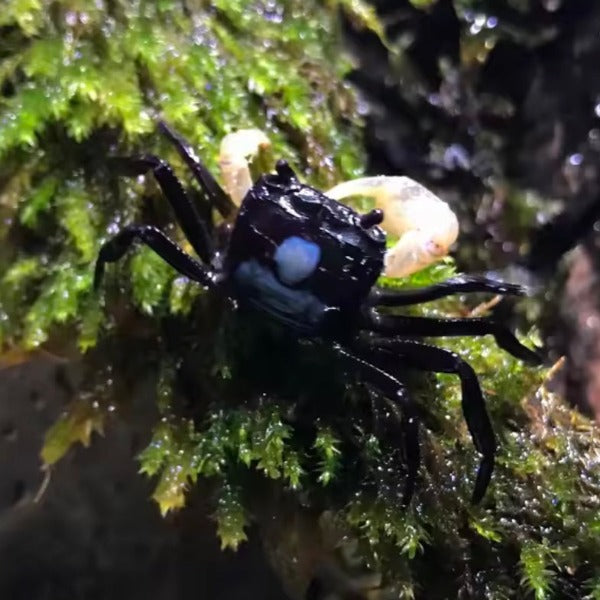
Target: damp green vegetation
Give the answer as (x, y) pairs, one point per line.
(285, 416)
(82, 81)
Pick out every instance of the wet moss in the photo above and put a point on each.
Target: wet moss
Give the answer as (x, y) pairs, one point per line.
(83, 81)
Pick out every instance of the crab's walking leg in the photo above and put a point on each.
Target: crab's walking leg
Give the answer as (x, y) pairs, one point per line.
(433, 327)
(424, 223)
(456, 285)
(215, 193)
(154, 238)
(396, 392)
(430, 358)
(187, 214)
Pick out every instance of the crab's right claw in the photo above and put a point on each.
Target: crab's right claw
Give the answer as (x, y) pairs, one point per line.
(425, 224)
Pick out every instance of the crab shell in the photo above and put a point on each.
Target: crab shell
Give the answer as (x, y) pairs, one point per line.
(425, 224)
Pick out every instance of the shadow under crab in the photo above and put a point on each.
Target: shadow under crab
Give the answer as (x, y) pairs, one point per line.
(310, 264)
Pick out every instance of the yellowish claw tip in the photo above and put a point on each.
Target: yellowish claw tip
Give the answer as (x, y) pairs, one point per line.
(236, 152)
(425, 224)
(243, 144)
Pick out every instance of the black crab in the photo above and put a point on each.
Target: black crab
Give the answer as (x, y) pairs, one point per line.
(311, 263)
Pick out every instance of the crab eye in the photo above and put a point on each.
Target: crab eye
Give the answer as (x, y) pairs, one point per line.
(283, 178)
(375, 217)
(296, 259)
(283, 169)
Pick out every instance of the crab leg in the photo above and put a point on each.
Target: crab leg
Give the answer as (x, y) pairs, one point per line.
(116, 247)
(455, 285)
(424, 223)
(207, 182)
(189, 219)
(433, 327)
(395, 391)
(423, 357)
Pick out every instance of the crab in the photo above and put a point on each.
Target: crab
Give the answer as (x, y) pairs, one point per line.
(303, 259)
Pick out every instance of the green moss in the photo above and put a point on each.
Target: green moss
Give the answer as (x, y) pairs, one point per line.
(151, 279)
(76, 425)
(545, 462)
(60, 302)
(343, 459)
(536, 576)
(231, 517)
(39, 202)
(172, 454)
(82, 83)
(327, 447)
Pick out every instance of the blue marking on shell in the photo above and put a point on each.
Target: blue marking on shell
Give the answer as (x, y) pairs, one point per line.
(261, 288)
(296, 259)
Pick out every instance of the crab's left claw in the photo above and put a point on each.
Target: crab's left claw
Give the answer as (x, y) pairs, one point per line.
(237, 151)
(425, 224)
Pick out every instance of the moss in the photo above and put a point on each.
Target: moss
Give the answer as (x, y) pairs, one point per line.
(308, 436)
(76, 425)
(532, 520)
(327, 447)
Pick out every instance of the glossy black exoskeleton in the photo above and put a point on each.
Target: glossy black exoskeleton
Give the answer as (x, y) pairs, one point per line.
(312, 264)
(333, 258)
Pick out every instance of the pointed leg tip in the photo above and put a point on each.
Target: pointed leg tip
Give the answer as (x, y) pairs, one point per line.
(515, 289)
(98, 275)
(478, 495)
(536, 359)
(529, 356)
(476, 499)
(479, 491)
(509, 343)
(484, 476)
(407, 496)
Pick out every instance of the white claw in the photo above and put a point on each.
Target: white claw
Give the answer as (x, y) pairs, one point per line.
(425, 224)
(236, 152)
